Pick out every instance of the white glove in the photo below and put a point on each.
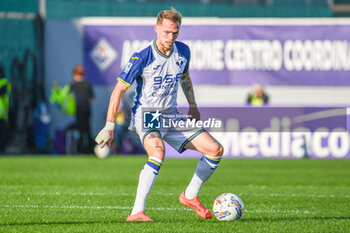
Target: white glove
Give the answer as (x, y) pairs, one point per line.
(103, 135)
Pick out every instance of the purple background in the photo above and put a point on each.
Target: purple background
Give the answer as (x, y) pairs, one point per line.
(260, 118)
(117, 34)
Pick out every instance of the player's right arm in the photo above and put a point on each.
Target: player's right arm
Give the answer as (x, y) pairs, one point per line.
(132, 70)
(106, 134)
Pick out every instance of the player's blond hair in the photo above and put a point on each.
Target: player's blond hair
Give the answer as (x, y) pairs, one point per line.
(171, 14)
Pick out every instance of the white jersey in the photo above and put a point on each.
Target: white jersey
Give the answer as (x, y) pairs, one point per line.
(157, 78)
(157, 75)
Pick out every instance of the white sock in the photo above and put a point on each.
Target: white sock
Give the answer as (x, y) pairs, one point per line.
(194, 187)
(205, 168)
(147, 178)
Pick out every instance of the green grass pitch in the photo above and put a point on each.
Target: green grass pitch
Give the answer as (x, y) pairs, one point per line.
(86, 194)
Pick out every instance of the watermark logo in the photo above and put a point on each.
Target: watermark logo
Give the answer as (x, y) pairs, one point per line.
(178, 121)
(103, 54)
(151, 119)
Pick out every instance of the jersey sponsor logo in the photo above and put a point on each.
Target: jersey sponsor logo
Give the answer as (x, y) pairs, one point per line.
(135, 58)
(166, 82)
(128, 67)
(166, 93)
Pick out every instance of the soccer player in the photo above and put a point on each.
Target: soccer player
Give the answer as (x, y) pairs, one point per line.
(158, 69)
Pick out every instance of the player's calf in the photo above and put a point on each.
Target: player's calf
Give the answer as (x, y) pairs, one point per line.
(211, 159)
(204, 170)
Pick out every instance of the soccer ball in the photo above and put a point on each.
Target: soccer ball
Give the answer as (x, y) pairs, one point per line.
(228, 207)
(102, 153)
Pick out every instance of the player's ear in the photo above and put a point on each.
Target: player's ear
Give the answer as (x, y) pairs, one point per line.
(156, 28)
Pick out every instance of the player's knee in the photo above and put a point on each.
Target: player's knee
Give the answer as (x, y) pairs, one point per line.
(216, 150)
(220, 150)
(158, 152)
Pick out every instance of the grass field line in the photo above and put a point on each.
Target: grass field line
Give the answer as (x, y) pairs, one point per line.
(158, 208)
(89, 207)
(248, 186)
(173, 194)
(60, 193)
(240, 187)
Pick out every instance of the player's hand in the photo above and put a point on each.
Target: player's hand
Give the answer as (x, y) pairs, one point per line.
(105, 135)
(194, 113)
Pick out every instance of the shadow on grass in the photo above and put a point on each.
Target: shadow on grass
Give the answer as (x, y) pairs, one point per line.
(61, 223)
(122, 221)
(117, 221)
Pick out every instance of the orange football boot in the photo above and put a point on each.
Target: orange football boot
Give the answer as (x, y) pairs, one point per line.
(138, 217)
(196, 205)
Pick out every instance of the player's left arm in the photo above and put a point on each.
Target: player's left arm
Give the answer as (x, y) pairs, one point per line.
(187, 87)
